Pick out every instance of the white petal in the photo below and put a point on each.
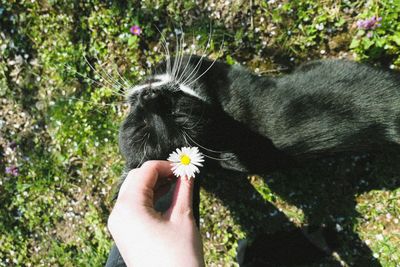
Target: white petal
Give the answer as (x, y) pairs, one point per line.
(174, 166)
(189, 170)
(194, 168)
(174, 157)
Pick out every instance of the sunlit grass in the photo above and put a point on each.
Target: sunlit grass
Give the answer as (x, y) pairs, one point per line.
(59, 122)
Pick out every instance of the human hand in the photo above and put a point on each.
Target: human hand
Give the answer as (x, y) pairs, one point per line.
(146, 237)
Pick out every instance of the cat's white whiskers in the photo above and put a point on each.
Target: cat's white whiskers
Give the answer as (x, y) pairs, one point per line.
(175, 66)
(94, 108)
(91, 102)
(140, 139)
(115, 89)
(196, 143)
(198, 77)
(186, 135)
(218, 159)
(144, 144)
(195, 70)
(113, 86)
(198, 121)
(188, 117)
(168, 56)
(180, 55)
(125, 81)
(110, 78)
(193, 73)
(68, 68)
(182, 76)
(215, 60)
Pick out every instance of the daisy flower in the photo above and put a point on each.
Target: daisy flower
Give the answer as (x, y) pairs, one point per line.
(185, 161)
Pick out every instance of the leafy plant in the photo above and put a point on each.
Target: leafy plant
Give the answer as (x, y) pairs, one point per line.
(383, 41)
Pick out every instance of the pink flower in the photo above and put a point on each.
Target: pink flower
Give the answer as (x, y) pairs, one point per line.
(136, 30)
(369, 24)
(13, 170)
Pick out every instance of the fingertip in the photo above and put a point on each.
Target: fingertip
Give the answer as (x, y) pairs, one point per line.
(131, 173)
(127, 184)
(161, 167)
(150, 164)
(143, 179)
(182, 199)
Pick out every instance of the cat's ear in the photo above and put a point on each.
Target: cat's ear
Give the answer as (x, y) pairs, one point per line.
(231, 162)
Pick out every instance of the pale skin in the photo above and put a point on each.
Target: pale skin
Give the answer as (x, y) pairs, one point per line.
(146, 237)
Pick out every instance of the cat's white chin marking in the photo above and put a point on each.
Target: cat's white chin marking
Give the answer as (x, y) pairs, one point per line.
(162, 80)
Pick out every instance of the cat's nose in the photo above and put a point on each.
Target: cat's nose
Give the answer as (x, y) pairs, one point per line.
(152, 100)
(147, 96)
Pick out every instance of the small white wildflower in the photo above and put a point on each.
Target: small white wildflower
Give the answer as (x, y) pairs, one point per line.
(185, 161)
(379, 237)
(319, 27)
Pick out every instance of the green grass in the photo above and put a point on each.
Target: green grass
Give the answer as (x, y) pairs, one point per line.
(63, 117)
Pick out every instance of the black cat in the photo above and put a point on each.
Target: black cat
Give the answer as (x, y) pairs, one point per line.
(250, 123)
(254, 123)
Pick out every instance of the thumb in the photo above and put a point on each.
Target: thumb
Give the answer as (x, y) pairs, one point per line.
(182, 199)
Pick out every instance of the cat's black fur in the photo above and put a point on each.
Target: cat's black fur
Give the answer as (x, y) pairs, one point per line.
(256, 124)
(262, 123)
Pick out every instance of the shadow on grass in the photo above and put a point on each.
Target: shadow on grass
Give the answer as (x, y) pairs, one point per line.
(325, 191)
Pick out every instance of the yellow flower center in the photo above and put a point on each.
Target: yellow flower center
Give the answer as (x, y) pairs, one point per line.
(185, 160)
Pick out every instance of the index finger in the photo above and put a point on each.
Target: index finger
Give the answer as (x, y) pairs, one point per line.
(141, 182)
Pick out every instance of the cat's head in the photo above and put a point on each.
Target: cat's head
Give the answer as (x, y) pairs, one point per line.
(170, 109)
(182, 104)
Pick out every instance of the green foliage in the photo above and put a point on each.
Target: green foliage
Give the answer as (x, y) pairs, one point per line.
(64, 68)
(383, 41)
